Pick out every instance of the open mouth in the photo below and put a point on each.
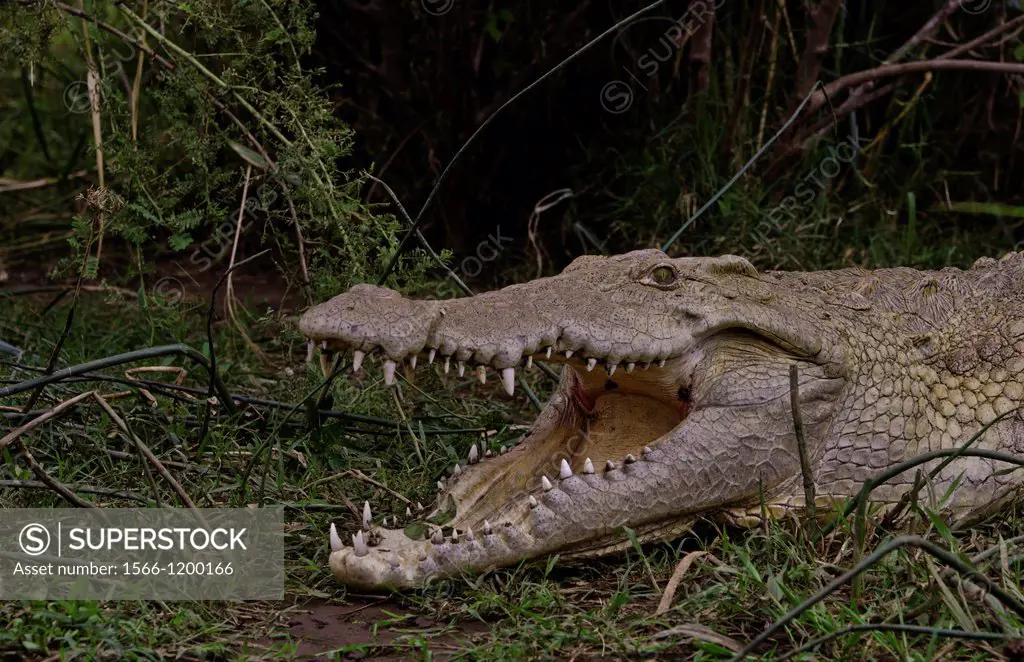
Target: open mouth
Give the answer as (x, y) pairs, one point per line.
(604, 418)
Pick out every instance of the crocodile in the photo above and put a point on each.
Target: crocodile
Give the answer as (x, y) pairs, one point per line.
(677, 400)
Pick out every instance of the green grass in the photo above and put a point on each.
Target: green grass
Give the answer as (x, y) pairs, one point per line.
(553, 609)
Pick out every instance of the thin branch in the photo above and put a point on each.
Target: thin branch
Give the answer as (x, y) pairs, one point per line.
(42, 418)
(145, 451)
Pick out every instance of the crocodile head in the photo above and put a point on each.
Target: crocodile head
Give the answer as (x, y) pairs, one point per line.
(674, 400)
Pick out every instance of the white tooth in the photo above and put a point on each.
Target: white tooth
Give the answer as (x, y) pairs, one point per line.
(310, 346)
(588, 466)
(389, 373)
(336, 543)
(431, 354)
(438, 537)
(357, 360)
(568, 353)
(469, 534)
(564, 471)
(488, 453)
(508, 380)
(481, 373)
(360, 545)
(630, 459)
(545, 484)
(529, 361)
(590, 364)
(408, 511)
(646, 450)
(323, 344)
(455, 535)
(367, 515)
(609, 466)
(474, 454)
(440, 486)
(457, 470)
(661, 363)
(462, 368)
(326, 363)
(533, 501)
(630, 366)
(504, 449)
(647, 364)
(419, 506)
(548, 351)
(487, 528)
(447, 364)
(412, 361)
(611, 368)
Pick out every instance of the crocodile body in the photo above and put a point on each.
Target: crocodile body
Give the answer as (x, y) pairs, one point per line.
(675, 398)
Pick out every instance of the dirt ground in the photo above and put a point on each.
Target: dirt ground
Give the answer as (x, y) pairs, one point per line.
(381, 630)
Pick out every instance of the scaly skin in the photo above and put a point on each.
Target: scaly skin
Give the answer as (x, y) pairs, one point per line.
(891, 363)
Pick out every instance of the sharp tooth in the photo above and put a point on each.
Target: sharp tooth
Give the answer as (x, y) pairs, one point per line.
(447, 364)
(630, 459)
(438, 537)
(588, 466)
(487, 528)
(545, 484)
(488, 453)
(389, 373)
(469, 534)
(323, 344)
(609, 466)
(548, 351)
(533, 501)
(455, 535)
(611, 368)
(357, 360)
(630, 366)
(431, 354)
(367, 515)
(360, 545)
(568, 353)
(408, 511)
(336, 543)
(661, 363)
(326, 363)
(529, 362)
(440, 486)
(481, 373)
(504, 449)
(508, 380)
(590, 364)
(474, 454)
(646, 450)
(564, 470)
(462, 368)
(647, 364)
(419, 506)
(310, 346)
(457, 470)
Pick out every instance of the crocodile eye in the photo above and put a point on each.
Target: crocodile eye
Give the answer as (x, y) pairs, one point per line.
(664, 275)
